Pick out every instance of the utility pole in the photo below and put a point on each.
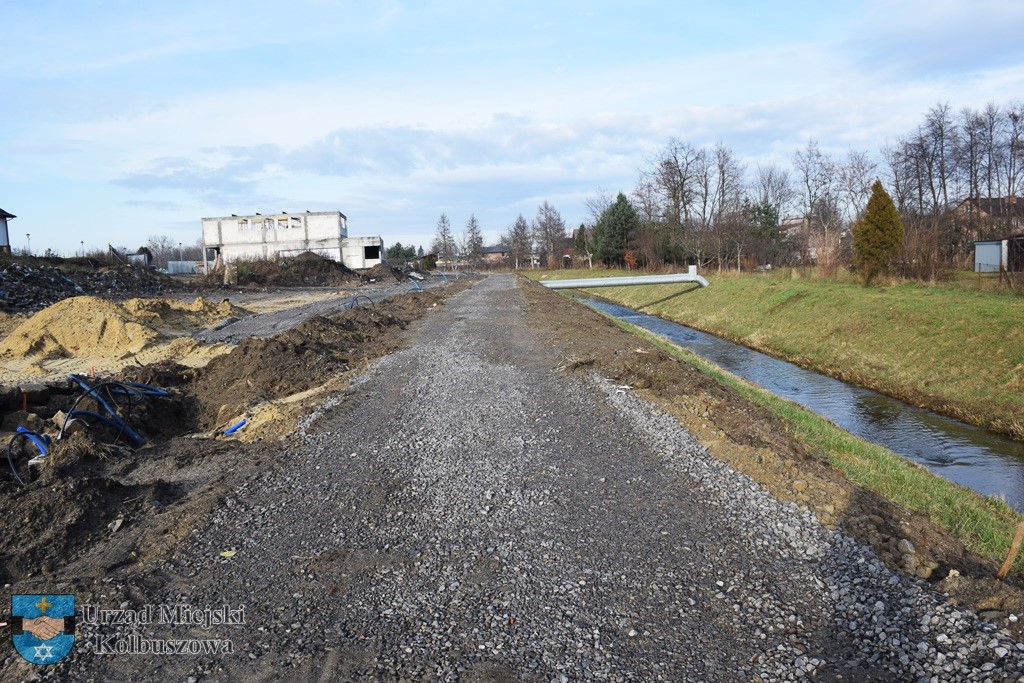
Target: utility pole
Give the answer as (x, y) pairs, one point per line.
(28, 238)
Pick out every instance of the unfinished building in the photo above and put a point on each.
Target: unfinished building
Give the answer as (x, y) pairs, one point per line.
(271, 236)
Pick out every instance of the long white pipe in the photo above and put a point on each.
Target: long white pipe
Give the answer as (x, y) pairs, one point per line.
(590, 282)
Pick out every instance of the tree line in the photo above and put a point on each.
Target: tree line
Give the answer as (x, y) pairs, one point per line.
(541, 241)
(702, 204)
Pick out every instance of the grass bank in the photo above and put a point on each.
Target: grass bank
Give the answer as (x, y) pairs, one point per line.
(984, 525)
(949, 349)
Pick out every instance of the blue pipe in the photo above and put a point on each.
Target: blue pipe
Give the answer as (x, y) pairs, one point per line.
(39, 440)
(111, 422)
(235, 427)
(121, 425)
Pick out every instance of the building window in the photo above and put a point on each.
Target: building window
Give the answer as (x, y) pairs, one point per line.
(370, 253)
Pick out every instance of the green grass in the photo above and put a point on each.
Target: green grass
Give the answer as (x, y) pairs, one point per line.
(948, 348)
(984, 525)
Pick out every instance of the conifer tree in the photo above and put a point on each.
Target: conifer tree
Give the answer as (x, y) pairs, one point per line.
(615, 229)
(878, 235)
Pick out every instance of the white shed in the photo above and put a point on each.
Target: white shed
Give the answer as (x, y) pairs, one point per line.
(989, 255)
(1007, 254)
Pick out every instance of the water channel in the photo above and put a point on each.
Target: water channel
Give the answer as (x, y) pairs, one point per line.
(972, 456)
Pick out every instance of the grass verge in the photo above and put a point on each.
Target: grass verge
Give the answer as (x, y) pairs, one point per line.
(984, 525)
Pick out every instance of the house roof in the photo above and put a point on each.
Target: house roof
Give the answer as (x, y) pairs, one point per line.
(1016, 236)
(4, 214)
(998, 207)
(496, 249)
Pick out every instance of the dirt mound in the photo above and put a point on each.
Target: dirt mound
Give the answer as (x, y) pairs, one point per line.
(307, 269)
(174, 314)
(32, 284)
(90, 326)
(383, 273)
(302, 358)
(80, 326)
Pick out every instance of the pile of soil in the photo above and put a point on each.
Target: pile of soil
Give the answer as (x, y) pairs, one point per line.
(384, 273)
(28, 285)
(171, 314)
(96, 510)
(299, 359)
(88, 326)
(80, 326)
(308, 269)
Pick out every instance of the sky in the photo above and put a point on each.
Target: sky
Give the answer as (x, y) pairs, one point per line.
(127, 119)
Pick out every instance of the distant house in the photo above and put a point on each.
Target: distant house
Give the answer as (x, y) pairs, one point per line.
(495, 254)
(257, 236)
(991, 214)
(5, 238)
(1006, 254)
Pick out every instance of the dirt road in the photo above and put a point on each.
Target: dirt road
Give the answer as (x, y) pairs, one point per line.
(465, 512)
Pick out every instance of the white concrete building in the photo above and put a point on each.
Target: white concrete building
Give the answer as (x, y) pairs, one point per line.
(233, 237)
(5, 238)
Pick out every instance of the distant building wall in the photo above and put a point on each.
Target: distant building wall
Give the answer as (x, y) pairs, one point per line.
(362, 252)
(257, 237)
(184, 267)
(279, 235)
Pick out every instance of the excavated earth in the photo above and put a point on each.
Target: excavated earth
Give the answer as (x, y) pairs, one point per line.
(515, 489)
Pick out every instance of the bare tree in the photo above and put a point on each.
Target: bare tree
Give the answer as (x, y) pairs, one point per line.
(162, 248)
(519, 241)
(550, 233)
(444, 243)
(856, 176)
(772, 187)
(598, 204)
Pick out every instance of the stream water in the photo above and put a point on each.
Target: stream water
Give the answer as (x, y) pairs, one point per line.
(972, 456)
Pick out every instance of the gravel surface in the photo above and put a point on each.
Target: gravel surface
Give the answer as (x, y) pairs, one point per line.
(465, 513)
(233, 331)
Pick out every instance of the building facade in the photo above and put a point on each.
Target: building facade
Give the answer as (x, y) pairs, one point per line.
(258, 236)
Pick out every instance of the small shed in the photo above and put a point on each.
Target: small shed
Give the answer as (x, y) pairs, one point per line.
(993, 256)
(5, 238)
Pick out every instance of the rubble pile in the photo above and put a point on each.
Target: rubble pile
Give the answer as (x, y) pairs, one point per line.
(305, 270)
(384, 273)
(29, 287)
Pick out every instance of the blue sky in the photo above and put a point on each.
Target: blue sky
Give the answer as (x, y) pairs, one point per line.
(126, 119)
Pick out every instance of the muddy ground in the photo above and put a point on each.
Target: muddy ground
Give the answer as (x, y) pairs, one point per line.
(96, 507)
(98, 511)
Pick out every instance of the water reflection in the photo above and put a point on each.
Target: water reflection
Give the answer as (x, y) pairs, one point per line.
(968, 455)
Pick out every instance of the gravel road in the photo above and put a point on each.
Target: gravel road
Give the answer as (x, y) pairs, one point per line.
(466, 513)
(234, 331)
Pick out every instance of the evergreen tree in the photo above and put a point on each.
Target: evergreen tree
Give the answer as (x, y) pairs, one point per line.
(582, 244)
(614, 230)
(474, 242)
(878, 235)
